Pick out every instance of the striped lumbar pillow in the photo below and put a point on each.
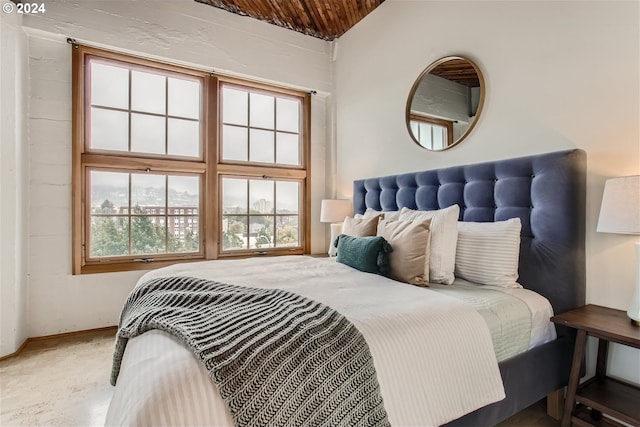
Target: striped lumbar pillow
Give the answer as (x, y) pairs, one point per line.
(487, 252)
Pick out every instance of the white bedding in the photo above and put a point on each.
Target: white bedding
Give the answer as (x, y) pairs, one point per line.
(433, 353)
(542, 329)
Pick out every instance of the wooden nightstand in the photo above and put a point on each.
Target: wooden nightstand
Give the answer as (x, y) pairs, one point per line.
(601, 393)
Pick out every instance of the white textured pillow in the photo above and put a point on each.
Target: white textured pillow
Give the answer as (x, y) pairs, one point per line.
(410, 243)
(488, 252)
(390, 215)
(444, 236)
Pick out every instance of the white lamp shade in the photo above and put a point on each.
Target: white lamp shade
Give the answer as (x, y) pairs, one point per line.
(620, 210)
(334, 210)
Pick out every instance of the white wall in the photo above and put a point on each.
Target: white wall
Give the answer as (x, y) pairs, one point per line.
(558, 75)
(440, 97)
(13, 181)
(179, 30)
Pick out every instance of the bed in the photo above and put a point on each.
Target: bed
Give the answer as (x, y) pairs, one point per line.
(161, 383)
(547, 192)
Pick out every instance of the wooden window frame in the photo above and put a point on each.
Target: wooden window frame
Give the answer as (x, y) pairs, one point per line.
(249, 170)
(210, 167)
(447, 124)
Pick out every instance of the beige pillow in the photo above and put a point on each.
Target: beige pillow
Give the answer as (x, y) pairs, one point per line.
(360, 227)
(408, 262)
(444, 236)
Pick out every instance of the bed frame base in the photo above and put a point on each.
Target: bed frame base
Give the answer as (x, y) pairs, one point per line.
(527, 378)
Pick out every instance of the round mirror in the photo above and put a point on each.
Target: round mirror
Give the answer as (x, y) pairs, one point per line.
(445, 102)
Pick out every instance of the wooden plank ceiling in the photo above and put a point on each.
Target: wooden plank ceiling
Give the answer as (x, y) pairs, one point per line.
(458, 70)
(324, 19)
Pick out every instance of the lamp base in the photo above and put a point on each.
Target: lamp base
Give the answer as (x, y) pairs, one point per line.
(336, 229)
(634, 308)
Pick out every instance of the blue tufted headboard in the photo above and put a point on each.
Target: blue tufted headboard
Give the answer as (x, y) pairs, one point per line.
(546, 191)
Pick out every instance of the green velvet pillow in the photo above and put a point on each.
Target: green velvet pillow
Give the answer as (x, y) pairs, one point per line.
(368, 254)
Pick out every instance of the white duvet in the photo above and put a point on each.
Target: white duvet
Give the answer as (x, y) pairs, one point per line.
(433, 353)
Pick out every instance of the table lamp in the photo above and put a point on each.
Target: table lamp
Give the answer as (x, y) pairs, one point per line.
(620, 214)
(334, 212)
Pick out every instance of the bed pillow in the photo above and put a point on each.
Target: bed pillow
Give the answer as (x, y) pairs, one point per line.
(360, 227)
(410, 243)
(487, 252)
(444, 235)
(369, 254)
(392, 215)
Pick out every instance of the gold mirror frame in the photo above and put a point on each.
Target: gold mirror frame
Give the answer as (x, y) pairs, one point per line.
(445, 122)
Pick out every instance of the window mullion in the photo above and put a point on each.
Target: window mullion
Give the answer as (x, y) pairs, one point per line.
(248, 212)
(139, 163)
(166, 115)
(248, 126)
(261, 170)
(166, 213)
(275, 138)
(275, 204)
(129, 211)
(129, 112)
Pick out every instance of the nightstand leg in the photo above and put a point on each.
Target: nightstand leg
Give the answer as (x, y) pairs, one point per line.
(574, 378)
(601, 363)
(601, 370)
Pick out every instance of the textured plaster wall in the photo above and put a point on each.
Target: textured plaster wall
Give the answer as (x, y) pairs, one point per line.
(181, 31)
(13, 182)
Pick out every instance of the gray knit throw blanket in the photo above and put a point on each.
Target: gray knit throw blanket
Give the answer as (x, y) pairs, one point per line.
(277, 358)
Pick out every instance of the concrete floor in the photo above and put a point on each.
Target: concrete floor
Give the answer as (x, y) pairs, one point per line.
(64, 381)
(58, 382)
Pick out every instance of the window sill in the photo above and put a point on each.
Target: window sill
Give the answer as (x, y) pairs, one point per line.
(112, 267)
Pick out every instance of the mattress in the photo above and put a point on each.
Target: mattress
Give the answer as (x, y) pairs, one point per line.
(433, 351)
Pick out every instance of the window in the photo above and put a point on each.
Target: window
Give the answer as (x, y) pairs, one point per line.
(134, 214)
(260, 213)
(431, 132)
(159, 178)
(260, 128)
(261, 208)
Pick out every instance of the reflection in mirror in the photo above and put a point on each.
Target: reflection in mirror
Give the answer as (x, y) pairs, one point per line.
(445, 103)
